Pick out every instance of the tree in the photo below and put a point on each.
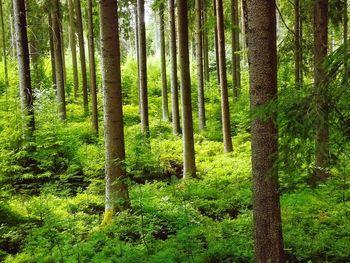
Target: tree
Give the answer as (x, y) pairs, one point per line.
(165, 109)
(72, 38)
(225, 110)
(82, 54)
(199, 54)
(205, 42)
(143, 66)
(263, 90)
(52, 50)
(216, 43)
(173, 69)
(298, 57)
(117, 197)
(93, 86)
(189, 165)
(236, 59)
(320, 53)
(4, 45)
(25, 87)
(56, 32)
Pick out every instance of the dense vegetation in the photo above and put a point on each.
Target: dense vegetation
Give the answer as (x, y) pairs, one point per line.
(52, 182)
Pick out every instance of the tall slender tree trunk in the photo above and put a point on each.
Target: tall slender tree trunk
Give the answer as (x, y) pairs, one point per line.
(23, 59)
(225, 110)
(4, 55)
(245, 22)
(73, 45)
(263, 90)
(320, 53)
(61, 98)
(346, 56)
(173, 69)
(199, 56)
(137, 57)
(93, 86)
(297, 44)
(216, 43)
(236, 58)
(13, 41)
(189, 164)
(143, 66)
(82, 55)
(165, 109)
(52, 50)
(117, 197)
(205, 42)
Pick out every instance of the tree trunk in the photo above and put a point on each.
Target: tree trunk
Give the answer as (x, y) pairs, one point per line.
(216, 43)
(225, 110)
(52, 51)
(199, 56)
(73, 45)
(297, 44)
(165, 109)
(189, 165)
(245, 21)
(263, 90)
(143, 67)
(13, 41)
(117, 197)
(61, 99)
(346, 56)
(4, 46)
(205, 43)
(320, 53)
(23, 59)
(173, 69)
(137, 57)
(93, 86)
(236, 59)
(82, 55)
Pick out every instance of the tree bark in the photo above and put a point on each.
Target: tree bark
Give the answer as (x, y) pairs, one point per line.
(173, 69)
(236, 58)
(4, 46)
(216, 43)
(72, 30)
(297, 44)
(117, 197)
(199, 57)
(143, 66)
(61, 99)
(93, 86)
(225, 110)
(205, 43)
(137, 57)
(52, 51)
(82, 55)
(320, 53)
(23, 59)
(165, 109)
(189, 165)
(263, 90)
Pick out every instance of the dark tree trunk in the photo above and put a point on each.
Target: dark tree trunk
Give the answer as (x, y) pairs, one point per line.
(93, 86)
(143, 66)
(216, 44)
(23, 59)
(263, 90)
(52, 50)
(165, 109)
(61, 99)
(189, 164)
(82, 55)
(72, 30)
(117, 197)
(173, 69)
(236, 59)
(225, 110)
(245, 21)
(298, 44)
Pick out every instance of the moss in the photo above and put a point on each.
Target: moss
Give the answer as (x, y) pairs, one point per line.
(107, 218)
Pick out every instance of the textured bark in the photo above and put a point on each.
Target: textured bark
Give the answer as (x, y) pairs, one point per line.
(117, 197)
(205, 43)
(320, 53)
(13, 41)
(4, 55)
(25, 87)
(189, 164)
(236, 59)
(225, 110)
(52, 51)
(137, 57)
(165, 108)
(93, 86)
(73, 45)
(173, 69)
(61, 99)
(82, 55)
(199, 57)
(297, 44)
(216, 43)
(143, 66)
(263, 90)
(245, 21)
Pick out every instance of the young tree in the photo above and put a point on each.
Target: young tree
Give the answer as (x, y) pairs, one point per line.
(72, 38)
(236, 58)
(93, 86)
(52, 50)
(216, 43)
(117, 197)
(298, 57)
(4, 45)
(199, 57)
(165, 109)
(320, 53)
(56, 32)
(82, 54)
(25, 87)
(205, 42)
(225, 110)
(143, 66)
(189, 163)
(263, 90)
